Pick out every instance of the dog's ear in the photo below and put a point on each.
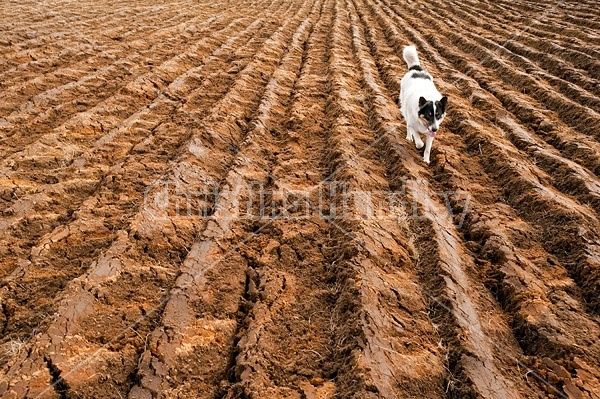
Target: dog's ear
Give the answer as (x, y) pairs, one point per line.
(444, 101)
(422, 101)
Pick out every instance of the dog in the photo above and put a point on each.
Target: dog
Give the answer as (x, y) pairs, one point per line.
(421, 105)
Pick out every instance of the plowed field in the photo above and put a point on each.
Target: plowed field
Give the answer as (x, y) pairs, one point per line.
(216, 199)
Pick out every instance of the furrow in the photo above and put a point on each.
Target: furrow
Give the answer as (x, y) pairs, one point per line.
(380, 309)
(77, 71)
(550, 19)
(118, 30)
(284, 346)
(582, 39)
(576, 115)
(216, 200)
(38, 78)
(553, 70)
(41, 162)
(571, 143)
(199, 320)
(94, 52)
(21, 44)
(532, 187)
(569, 177)
(576, 246)
(481, 357)
(545, 35)
(149, 234)
(562, 17)
(528, 282)
(547, 314)
(580, 183)
(563, 61)
(87, 143)
(47, 110)
(107, 165)
(109, 209)
(534, 200)
(62, 49)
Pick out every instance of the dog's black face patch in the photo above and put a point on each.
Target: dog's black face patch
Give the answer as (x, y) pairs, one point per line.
(420, 75)
(430, 111)
(440, 107)
(426, 110)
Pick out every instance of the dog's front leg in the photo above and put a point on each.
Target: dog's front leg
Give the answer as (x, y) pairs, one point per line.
(418, 141)
(428, 143)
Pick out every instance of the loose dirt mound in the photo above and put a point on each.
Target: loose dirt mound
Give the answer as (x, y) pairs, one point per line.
(216, 200)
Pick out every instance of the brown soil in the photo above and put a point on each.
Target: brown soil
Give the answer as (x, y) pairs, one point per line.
(216, 200)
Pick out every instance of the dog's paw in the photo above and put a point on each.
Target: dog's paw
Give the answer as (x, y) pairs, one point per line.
(419, 145)
(426, 160)
(409, 138)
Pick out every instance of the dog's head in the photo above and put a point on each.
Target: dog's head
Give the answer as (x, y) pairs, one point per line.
(431, 113)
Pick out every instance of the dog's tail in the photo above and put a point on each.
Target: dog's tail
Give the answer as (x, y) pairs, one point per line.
(410, 56)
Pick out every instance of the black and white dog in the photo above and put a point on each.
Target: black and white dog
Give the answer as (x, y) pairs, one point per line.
(422, 106)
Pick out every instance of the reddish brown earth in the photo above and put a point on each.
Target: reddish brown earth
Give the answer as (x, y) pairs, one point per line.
(216, 200)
